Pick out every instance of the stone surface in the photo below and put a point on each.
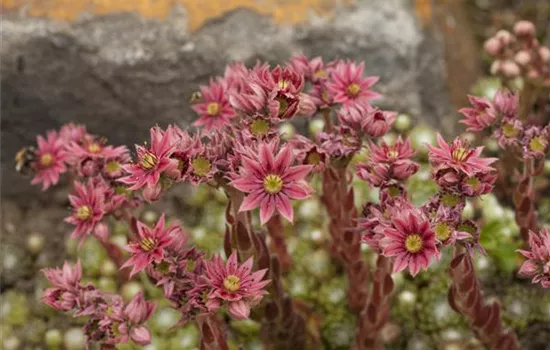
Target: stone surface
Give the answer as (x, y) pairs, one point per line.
(121, 73)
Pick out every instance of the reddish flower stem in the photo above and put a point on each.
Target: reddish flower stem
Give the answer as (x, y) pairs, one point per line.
(282, 326)
(376, 313)
(212, 334)
(524, 200)
(338, 198)
(466, 298)
(278, 243)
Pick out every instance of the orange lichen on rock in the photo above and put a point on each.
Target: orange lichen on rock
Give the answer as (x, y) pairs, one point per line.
(199, 11)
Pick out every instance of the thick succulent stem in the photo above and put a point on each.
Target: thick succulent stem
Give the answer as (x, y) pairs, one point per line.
(282, 326)
(212, 335)
(338, 198)
(524, 200)
(376, 313)
(466, 298)
(278, 243)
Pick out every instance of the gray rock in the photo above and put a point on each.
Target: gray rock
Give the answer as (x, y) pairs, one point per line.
(120, 74)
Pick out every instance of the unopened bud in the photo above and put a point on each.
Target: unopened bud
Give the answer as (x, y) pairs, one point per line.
(510, 69)
(492, 46)
(495, 67)
(522, 58)
(544, 53)
(524, 28)
(505, 37)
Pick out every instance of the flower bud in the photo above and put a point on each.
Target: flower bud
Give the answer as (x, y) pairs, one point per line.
(544, 53)
(141, 335)
(492, 46)
(495, 67)
(510, 69)
(524, 29)
(239, 310)
(505, 37)
(522, 58)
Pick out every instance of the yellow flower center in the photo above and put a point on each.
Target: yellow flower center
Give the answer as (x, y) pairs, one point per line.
(259, 127)
(413, 243)
(84, 213)
(232, 283)
(313, 158)
(460, 154)
(46, 159)
(113, 166)
(474, 182)
(353, 89)
(320, 74)
(94, 147)
(283, 105)
(450, 200)
(283, 84)
(273, 183)
(392, 154)
(201, 166)
(510, 130)
(537, 144)
(394, 191)
(147, 244)
(213, 109)
(442, 231)
(148, 161)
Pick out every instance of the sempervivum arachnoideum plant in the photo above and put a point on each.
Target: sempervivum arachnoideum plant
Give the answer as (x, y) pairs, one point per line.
(244, 150)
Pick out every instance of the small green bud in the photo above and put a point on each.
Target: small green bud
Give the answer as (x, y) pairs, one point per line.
(35, 243)
(108, 268)
(53, 339)
(402, 123)
(74, 339)
(130, 289)
(287, 131)
(316, 126)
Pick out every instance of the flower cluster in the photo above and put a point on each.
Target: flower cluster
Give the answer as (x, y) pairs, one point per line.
(195, 286)
(109, 322)
(537, 265)
(519, 54)
(240, 147)
(502, 115)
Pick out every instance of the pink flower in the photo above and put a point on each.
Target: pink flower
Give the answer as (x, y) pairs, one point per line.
(271, 182)
(151, 245)
(459, 156)
(313, 70)
(308, 153)
(253, 100)
(92, 147)
(67, 278)
(50, 160)
(509, 133)
(141, 335)
(537, 265)
(377, 122)
(152, 162)
(235, 284)
(481, 115)
(411, 241)
(88, 207)
(535, 142)
(138, 310)
(479, 184)
(347, 84)
(72, 132)
(214, 110)
(386, 153)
